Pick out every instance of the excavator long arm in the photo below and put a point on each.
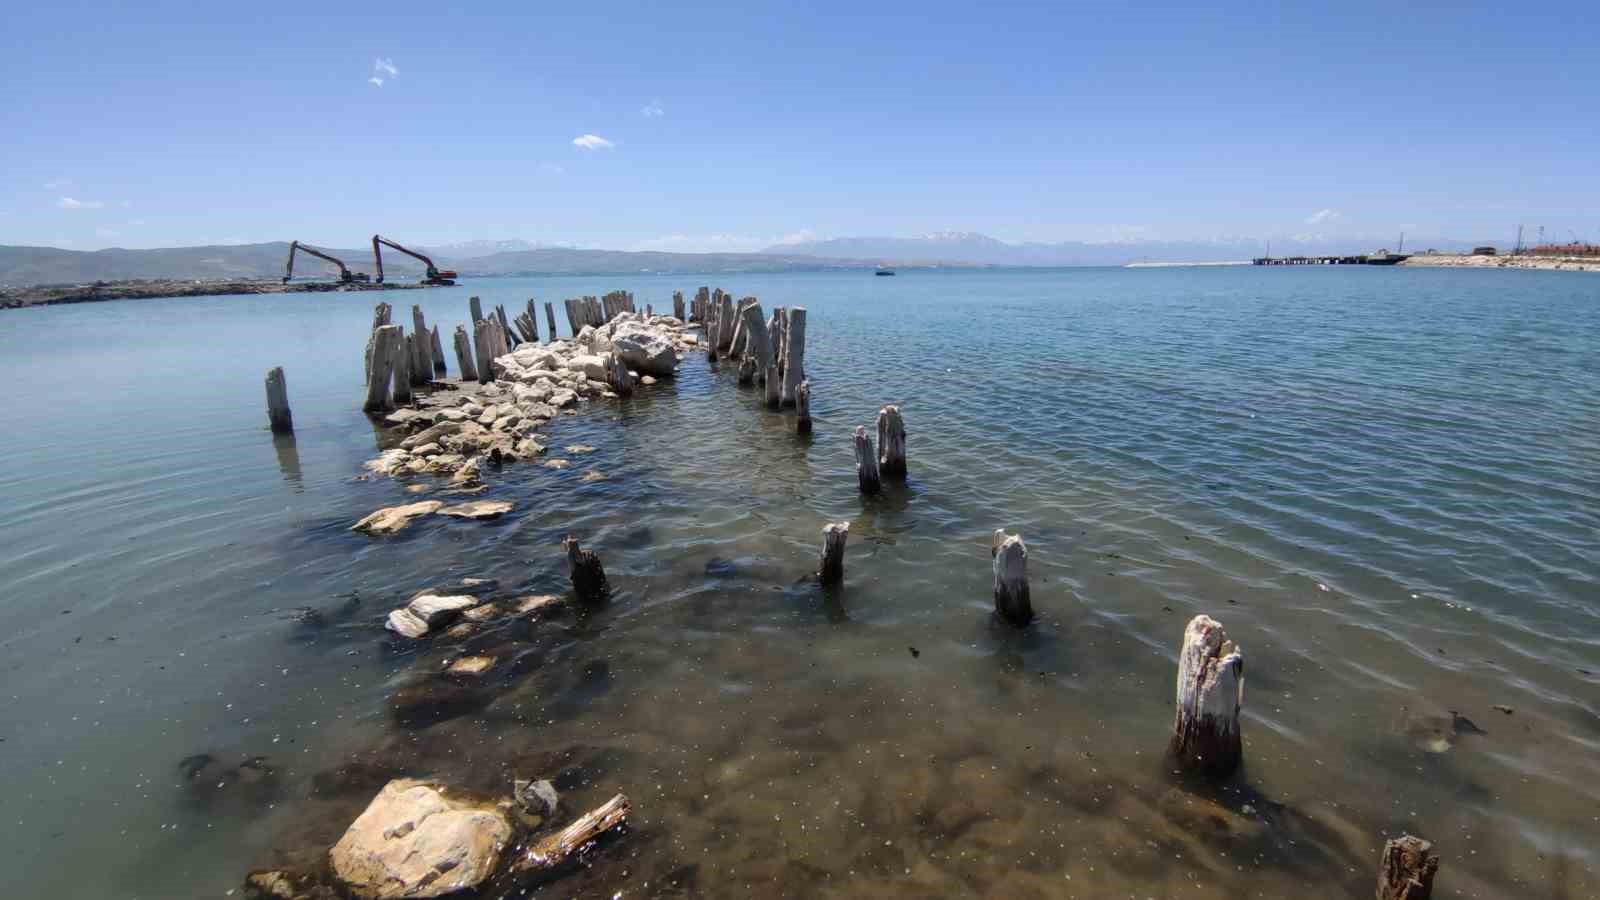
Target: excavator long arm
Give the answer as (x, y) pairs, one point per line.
(288, 273)
(433, 276)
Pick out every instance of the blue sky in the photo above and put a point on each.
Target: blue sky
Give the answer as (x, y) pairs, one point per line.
(736, 126)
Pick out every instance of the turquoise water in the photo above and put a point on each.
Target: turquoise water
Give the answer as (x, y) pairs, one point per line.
(1385, 483)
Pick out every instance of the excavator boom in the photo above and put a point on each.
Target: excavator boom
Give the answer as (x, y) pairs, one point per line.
(345, 276)
(433, 274)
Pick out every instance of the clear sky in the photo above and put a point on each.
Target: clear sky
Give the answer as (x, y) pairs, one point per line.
(669, 126)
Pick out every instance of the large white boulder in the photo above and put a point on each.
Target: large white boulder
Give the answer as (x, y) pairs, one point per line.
(646, 352)
(590, 366)
(415, 841)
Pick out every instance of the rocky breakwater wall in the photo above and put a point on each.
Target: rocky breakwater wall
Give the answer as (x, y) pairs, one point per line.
(455, 431)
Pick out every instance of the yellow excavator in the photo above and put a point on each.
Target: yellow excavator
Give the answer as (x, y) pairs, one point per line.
(432, 276)
(345, 275)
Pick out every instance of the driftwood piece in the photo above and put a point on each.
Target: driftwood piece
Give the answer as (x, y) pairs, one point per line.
(404, 360)
(278, 402)
(438, 353)
(588, 576)
(774, 384)
(830, 570)
(567, 844)
(866, 463)
(802, 409)
(483, 341)
(380, 366)
(1205, 730)
(464, 361)
(422, 349)
(550, 318)
(891, 442)
(794, 353)
(1406, 870)
(1011, 598)
(476, 307)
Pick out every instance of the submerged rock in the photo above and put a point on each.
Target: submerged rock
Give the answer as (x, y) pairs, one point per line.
(470, 666)
(406, 624)
(439, 610)
(415, 841)
(478, 509)
(393, 518)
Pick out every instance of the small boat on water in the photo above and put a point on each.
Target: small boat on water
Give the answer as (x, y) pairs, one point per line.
(881, 273)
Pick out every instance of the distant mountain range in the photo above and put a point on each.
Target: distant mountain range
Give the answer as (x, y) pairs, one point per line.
(967, 248)
(49, 265)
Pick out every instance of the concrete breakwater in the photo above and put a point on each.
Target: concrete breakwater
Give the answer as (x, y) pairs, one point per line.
(52, 294)
(1485, 261)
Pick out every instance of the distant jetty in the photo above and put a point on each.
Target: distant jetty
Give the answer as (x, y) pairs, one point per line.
(1381, 258)
(51, 294)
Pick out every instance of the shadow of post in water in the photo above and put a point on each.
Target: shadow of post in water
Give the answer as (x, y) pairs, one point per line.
(288, 459)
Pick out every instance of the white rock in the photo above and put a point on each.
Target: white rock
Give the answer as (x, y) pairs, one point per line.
(591, 366)
(646, 352)
(414, 841)
(388, 462)
(406, 624)
(436, 610)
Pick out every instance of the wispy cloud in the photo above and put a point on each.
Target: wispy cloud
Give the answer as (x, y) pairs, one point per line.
(653, 110)
(70, 203)
(592, 142)
(383, 69)
(1323, 215)
(58, 184)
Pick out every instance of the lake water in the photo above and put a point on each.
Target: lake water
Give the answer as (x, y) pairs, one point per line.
(1385, 483)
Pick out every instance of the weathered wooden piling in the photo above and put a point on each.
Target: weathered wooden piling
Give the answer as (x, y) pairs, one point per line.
(891, 442)
(802, 409)
(702, 299)
(773, 385)
(507, 336)
(830, 569)
(866, 463)
(483, 342)
(711, 330)
(278, 402)
(775, 337)
(380, 366)
(439, 369)
(422, 344)
(533, 319)
(588, 576)
(1205, 730)
(725, 324)
(464, 361)
(476, 307)
(380, 318)
(794, 352)
(737, 344)
(550, 318)
(677, 306)
(747, 370)
(1407, 868)
(405, 359)
(617, 375)
(1011, 598)
(756, 340)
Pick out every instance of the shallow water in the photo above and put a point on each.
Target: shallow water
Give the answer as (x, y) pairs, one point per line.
(1384, 482)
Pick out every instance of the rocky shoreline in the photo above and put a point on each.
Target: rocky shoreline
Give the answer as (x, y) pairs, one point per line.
(1565, 264)
(141, 289)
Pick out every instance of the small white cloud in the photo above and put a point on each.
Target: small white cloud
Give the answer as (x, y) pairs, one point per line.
(653, 110)
(70, 203)
(1323, 215)
(383, 69)
(376, 81)
(592, 142)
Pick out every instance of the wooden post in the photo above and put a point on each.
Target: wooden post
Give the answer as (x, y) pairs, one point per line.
(711, 330)
(774, 384)
(725, 323)
(477, 310)
(802, 408)
(866, 463)
(756, 342)
(736, 345)
(438, 353)
(507, 338)
(747, 370)
(1407, 869)
(483, 344)
(1011, 599)
(533, 319)
(380, 368)
(831, 568)
(588, 576)
(422, 349)
(891, 442)
(1205, 731)
(380, 318)
(404, 360)
(617, 375)
(775, 335)
(278, 402)
(550, 319)
(464, 361)
(677, 305)
(794, 353)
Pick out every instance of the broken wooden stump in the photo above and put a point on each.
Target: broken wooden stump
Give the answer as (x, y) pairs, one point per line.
(404, 360)
(422, 349)
(866, 463)
(677, 306)
(831, 568)
(891, 442)
(774, 384)
(507, 337)
(747, 370)
(533, 319)
(380, 318)
(725, 323)
(464, 362)
(802, 409)
(756, 342)
(483, 342)
(775, 335)
(439, 369)
(1407, 868)
(550, 319)
(380, 366)
(553, 852)
(617, 375)
(794, 352)
(1205, 730)
(278, 402)
(588, 576)
(1011, 595)
(476, 307)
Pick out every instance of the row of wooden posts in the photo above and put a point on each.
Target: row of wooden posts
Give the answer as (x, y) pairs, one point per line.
(770, 352)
